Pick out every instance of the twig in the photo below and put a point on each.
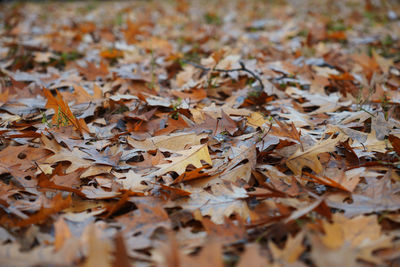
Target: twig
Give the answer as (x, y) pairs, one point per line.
(242, 68)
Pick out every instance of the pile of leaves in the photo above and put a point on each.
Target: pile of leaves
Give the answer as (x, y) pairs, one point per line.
(174, 133)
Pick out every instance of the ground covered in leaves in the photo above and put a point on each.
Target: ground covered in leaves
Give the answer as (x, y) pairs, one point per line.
(179, 133)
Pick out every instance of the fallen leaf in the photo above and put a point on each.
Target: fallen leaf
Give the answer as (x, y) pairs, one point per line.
(309, 157)
(173, 142)
(99, 254)
(291, 252)
(57, 204)
(192, 156)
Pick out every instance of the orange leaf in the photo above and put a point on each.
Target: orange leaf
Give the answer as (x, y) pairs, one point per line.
(57, 204)
(111, 53)
(63, 112)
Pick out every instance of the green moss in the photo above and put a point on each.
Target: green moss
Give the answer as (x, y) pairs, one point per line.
(212, 18)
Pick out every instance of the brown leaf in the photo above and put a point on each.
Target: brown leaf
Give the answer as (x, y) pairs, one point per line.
(225, 233)
(395, 141)
(91, 72)
(121, 258)
(378, 196)
(145, 220)
(57, 204)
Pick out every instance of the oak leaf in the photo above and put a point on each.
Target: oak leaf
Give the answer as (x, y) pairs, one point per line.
(173, 142)
(363, 233)
(192, 156)
(62, 112)
(309, 157)
(291, 252)
(221, 202)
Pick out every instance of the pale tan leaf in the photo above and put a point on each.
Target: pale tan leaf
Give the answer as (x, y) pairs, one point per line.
(252, 257)
(291, 252)
(363, 233)
(99, 249)
(132, 181)
(218, 204)
(193, 156)
(257, 119)
(309, 158)
(173, 142)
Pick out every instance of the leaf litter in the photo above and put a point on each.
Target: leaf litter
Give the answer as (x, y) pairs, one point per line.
(175, 133)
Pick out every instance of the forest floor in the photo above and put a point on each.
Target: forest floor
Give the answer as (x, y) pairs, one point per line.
(200, 133)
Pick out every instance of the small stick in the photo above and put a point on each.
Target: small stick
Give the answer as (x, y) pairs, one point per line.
(242, 68)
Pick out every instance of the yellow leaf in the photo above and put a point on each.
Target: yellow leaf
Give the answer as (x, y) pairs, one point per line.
(193, 156)
(174, 142)
(256, 119)
(309, 158)
(292, 250)
(362, 234)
